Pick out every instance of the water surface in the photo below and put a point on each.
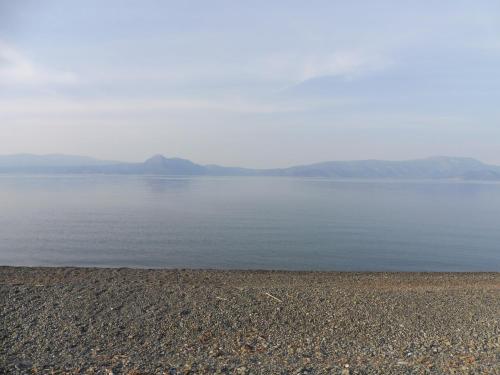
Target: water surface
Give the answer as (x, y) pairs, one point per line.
(249, 223)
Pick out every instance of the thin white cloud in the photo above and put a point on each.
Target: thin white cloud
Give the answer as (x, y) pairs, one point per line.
(301, 67)
(105, 106)
(276, 69)
(17, 69)
(343, 63)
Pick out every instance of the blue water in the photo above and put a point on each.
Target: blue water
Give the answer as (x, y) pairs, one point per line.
(246, 222)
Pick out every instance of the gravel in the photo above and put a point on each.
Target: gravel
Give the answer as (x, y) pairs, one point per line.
(129, 321)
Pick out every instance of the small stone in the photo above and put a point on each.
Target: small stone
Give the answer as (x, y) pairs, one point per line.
(23, 365)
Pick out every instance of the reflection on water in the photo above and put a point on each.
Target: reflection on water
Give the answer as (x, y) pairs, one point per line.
(160, 185)
(247, 222)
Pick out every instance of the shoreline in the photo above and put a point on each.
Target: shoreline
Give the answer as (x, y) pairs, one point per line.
(153, 321)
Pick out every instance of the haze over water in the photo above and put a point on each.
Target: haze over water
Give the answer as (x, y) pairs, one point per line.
(249, 223)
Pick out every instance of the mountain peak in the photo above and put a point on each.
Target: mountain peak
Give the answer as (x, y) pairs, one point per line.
(156, 159)
(159, 163)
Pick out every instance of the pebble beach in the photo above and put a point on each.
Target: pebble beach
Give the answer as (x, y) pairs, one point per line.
(132, 321)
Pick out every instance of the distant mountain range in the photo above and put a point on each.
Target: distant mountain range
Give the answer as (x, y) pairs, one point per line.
(441, 167)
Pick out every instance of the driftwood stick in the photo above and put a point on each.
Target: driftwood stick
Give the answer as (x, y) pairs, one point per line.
(273, 297)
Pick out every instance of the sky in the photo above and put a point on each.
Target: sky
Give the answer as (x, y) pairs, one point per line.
(253, 84)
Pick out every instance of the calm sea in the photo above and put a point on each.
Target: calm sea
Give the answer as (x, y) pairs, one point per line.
(246, 222)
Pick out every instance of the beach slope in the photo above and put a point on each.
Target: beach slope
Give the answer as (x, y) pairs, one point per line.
(78, 320)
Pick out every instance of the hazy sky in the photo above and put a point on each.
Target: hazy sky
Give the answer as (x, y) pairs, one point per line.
(254, 83)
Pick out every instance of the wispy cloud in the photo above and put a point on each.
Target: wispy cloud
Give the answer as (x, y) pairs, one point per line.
(270, 69)
(344, 63)
(289, 69)
(109, 106)
(17, 69)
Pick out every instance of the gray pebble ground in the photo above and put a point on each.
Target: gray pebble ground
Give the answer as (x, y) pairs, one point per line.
(126, 321)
